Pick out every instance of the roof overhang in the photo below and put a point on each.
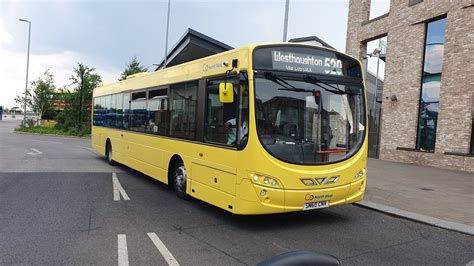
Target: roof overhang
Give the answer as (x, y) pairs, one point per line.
(193, 45)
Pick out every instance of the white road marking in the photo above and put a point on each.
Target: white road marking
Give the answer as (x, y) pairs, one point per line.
(34, 152)
(163, 250)
(122, 250)
(118, 189)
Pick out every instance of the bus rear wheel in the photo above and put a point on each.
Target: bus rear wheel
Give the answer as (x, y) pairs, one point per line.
(180, 180)
(108, 154)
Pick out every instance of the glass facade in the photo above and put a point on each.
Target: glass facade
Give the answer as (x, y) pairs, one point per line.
(431, 83)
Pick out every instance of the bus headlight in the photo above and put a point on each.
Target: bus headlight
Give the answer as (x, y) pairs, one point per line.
(265, 181)
(360, 174)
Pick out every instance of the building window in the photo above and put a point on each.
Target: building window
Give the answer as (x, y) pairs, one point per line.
(430, 85)
(379, 8)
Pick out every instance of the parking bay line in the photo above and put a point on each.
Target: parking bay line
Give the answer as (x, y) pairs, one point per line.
(163, 250)
(122, 250)
(118, 189)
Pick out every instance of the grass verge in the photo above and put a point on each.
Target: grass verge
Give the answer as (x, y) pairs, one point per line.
(54, 131)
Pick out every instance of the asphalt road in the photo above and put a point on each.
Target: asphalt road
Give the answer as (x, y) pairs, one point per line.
(57, 207)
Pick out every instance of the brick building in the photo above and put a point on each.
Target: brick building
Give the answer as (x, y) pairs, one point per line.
(428, 95)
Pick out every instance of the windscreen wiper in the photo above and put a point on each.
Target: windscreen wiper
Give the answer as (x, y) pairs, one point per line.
(318, 82)
(286, 86)
(273, 77)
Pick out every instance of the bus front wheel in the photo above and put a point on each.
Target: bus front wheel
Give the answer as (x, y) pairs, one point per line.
(179, 181)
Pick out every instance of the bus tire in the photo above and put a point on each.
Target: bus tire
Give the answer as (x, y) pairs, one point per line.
(108, 153)
(180, 180)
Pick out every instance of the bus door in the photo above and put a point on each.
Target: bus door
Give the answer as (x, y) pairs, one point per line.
(225, 128)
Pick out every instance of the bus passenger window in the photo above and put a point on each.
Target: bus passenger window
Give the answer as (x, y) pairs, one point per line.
(183, 109)
(157, 112)
(126, 110)
(119, 111)
(108, 106)
(138, 111)
(112, 116)
(98, 111)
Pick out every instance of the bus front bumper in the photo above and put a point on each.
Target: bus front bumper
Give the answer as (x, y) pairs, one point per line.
(257, 199)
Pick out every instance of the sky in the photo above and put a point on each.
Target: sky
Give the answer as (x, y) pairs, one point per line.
(106, 34)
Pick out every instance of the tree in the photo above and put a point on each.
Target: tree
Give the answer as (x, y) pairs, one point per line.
(22, 98)
(133, 67)
(42, 93)
(78, 102)
(85, 80)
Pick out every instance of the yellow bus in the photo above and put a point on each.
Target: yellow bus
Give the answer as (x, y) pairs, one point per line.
(265, 128)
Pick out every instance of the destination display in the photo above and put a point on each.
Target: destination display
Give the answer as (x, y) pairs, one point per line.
(306, 63)
(305, 60)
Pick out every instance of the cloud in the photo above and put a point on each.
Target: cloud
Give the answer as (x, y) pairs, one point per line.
(60, 64)
(431, 91)
(5, 37)
(434, 58)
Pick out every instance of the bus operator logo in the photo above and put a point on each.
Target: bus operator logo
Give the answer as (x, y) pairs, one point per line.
(207, 67)
(311, 197)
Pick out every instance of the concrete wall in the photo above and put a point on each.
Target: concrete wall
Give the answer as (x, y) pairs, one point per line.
(404, 27)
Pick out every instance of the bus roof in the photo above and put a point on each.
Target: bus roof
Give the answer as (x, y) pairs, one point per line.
(204, 67)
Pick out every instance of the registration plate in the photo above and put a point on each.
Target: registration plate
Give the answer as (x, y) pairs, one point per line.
(315, 205)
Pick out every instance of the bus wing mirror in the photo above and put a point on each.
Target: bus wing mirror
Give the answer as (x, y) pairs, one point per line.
(226, 92)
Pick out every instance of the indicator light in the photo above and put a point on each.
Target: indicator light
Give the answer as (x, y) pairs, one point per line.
(263, 193)
(360, 174)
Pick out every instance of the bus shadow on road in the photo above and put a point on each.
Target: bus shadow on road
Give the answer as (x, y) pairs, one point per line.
(268, 222)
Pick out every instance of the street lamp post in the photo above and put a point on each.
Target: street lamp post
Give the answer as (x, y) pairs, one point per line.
(27, 67)
(166, 38)
(285, 23)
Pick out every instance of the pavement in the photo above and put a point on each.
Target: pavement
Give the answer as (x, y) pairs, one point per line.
(440, 197)
(63, 204)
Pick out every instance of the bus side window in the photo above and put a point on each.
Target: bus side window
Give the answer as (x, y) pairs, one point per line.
(119, 111)
(157, 111)
(113, 111)
(183, 110)
(243, 113)
(138, 111)
(222, 118)
(126, 110)
(107, 110)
